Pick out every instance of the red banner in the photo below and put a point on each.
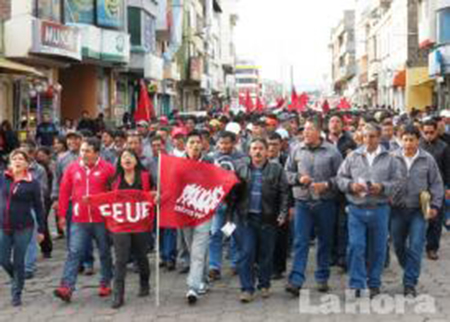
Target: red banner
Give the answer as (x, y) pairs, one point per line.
(126, 211)
(191, 191)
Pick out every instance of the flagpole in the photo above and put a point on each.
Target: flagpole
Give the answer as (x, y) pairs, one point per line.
(158, 215)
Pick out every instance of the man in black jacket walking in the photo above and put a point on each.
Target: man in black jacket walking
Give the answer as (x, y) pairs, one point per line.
(261, 201)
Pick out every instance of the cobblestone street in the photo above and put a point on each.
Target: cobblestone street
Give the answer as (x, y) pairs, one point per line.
(220, 304)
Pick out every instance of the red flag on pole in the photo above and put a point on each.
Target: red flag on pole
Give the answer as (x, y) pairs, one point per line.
(145, 109)
(191, 191)
(294, 100)
(249, 102)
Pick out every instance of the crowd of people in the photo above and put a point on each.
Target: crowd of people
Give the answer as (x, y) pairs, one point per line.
(356, 183)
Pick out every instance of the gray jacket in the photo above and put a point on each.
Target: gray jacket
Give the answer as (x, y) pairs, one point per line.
(384, 170)
(423, 175)
(40, 175)
(61, 164)
(321, 164)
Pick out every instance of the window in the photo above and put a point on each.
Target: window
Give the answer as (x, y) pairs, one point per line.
(149, 39)
(81, 11)
(443, 21)
(134, 25)
(48, 10)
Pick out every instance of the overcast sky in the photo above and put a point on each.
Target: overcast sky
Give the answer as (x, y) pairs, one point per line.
(284, 32)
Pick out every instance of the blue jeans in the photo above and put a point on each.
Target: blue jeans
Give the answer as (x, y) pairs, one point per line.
(169, 245)
(32, 251)
(408, 231)
(80, 233)
(216, 241)
(87, 260)
(363, 222)
(322, 215)
(15, 244)
(256, 244)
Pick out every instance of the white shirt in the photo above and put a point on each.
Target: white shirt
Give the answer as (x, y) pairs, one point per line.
(410, 160)
(372, 155)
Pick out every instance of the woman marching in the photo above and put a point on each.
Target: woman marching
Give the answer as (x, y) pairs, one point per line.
(130, 175)
(20, 197)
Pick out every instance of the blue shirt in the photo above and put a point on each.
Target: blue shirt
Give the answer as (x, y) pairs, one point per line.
(256, 192)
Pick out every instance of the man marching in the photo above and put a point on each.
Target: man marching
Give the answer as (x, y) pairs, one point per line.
(88, 176)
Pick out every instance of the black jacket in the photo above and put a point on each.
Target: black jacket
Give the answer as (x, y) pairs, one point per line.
(345, 144)
(17, 202)
(440, 151)
(275, 192)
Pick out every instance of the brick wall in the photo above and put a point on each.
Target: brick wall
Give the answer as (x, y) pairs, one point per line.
(5, 9)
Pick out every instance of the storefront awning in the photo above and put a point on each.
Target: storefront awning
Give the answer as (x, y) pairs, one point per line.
(10, 67)
(399, 79)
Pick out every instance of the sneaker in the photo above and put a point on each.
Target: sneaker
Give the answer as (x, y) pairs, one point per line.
(246, 297)
(104, 291)
(374, 292)
(410, 291)
(192, 297)
(322, 287)
(63, 293)
(16, 301)
(203, 289)
(162, 264)
(170, 266)
(214, 274)
(294, 290)
(29, 275)
(89, 271)
(144, 291)
(432, 255)
(184, 270)
(265, 293)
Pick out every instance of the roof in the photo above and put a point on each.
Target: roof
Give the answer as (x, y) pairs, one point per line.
(10, 67)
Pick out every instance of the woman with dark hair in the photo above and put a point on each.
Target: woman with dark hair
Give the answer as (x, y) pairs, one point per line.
(130, 175)
(20, 196)
(59, 146)
(9, 137)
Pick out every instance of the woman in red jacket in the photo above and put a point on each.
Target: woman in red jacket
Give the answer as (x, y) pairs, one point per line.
(130, 175)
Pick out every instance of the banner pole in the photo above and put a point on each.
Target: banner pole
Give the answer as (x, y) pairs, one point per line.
(158, 215)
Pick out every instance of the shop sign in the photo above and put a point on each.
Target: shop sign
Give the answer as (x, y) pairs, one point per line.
(56, 39)
(115, 46)
(110, 13)
(91, 41)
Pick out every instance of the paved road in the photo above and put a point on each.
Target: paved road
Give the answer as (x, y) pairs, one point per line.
(221, 303)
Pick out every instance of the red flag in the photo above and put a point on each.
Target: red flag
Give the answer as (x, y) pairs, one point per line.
(241, 100)
(302, 103)
(249, 102)
(145, 109)
(125, 211)
(344, 104)
(280, 102)
(191, 191)
(294, 100)
(259, 105)
(325, 107)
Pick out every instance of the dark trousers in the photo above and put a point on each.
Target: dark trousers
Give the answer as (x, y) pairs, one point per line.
(123, 244)
(281, 249)
(47, 244)
(256, 244)
(434, 232)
